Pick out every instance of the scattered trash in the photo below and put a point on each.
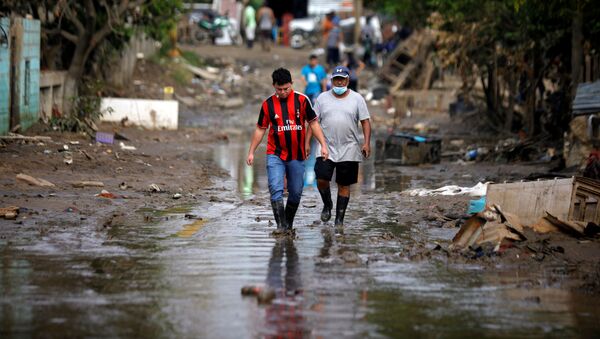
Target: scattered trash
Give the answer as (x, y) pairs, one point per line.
(476, 206)
(204, 74)
(106, 194)
(47, 151)
(71, 210)
(104, 138)
(81, 184)
(68, 158)
(74, 142)
(126, 147)
(9, 213)
(578, 228)
(123, 186)
(154, 188)
(264, 295)
(177, 196)
(412, 149)
(490, 226)
(232, 103)
(471, 155)
(477, 190)
(119, 136)
(34, 181)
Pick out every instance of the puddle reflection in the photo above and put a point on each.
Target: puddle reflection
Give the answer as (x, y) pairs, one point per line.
(284, 316)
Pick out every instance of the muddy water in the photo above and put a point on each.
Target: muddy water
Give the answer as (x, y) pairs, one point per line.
(163, 275)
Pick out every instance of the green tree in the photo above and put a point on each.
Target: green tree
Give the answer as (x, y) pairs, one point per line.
(73, 30)
(511, 46)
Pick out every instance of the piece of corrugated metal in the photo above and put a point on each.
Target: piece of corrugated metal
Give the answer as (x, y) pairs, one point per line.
(587, 98)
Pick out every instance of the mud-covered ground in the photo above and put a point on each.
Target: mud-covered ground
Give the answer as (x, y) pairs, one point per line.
(172, 263)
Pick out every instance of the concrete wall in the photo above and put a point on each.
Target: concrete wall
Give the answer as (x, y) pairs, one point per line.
(152, 114)
(29, 72)
(4, 76)
(51, 93)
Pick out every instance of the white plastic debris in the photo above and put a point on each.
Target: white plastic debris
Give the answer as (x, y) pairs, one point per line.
(477, 190)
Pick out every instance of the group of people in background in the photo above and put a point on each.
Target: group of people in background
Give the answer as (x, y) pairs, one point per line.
(264, 20)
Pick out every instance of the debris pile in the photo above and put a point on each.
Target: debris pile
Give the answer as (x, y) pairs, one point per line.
(569, 206)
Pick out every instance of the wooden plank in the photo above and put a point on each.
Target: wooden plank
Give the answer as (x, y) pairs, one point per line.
(18, 137)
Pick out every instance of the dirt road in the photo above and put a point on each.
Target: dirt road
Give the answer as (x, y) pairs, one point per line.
(143, 264)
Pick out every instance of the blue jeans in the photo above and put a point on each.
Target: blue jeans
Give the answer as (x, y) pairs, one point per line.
(277, 169)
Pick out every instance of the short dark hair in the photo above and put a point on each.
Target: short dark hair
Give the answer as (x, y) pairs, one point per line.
(281, 76)
(313, 56)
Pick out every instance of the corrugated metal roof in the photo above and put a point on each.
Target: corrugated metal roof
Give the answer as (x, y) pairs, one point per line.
(587, 98)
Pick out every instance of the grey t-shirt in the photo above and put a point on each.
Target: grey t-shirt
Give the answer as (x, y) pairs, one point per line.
(339, 120)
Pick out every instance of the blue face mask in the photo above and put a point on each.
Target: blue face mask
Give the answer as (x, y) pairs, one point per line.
(340, 90)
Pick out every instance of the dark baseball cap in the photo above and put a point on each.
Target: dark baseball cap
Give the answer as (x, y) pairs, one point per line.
(340, 71)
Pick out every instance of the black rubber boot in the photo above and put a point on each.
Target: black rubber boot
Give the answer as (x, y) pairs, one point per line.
(340, 210)
(327, 204)
(290, 213)
(279, 214)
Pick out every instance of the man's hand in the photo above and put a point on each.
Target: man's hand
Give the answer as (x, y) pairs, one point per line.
(250, 159)
(324, 153)
(307, 149)
(366, 150)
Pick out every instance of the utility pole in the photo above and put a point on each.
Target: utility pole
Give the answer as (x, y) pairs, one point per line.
(358, 9)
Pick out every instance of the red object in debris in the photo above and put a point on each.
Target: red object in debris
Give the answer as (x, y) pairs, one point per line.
(592, 168)
(251, 290)
(106, 194)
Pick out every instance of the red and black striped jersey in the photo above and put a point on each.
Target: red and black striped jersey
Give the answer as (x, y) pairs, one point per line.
(287, 118)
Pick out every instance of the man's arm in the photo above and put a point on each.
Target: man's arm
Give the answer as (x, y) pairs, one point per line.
(318, 132)
(366, 127)
(259, 133)
(304, 80)
(309, 134)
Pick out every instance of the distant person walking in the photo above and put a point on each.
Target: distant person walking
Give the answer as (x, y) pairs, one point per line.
(285, 114)
(249, 18)
(266, 21)
(355, 66)
(340, 110)
(367, 38)
(332, 44)
(314, 77)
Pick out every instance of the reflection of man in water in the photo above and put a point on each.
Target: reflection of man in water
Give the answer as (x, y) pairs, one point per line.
(284, 315)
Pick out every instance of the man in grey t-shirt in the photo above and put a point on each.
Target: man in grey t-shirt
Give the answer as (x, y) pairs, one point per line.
(340, 110)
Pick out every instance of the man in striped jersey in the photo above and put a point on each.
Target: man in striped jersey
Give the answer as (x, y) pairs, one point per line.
(286, 114)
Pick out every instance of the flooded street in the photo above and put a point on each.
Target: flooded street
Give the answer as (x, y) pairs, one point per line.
(179, 272)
